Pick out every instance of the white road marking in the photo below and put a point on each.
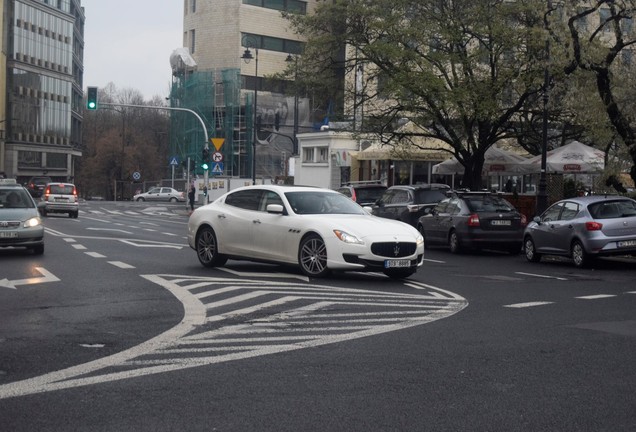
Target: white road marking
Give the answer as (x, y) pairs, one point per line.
(294, 316)
(95, 254)
(528, 304)
(542, 276)
(79, 246)
(47, 277)
(595, 297)
(109, 229)
(69, 240)
(121, 265)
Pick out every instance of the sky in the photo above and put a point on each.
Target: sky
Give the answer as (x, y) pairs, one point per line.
(129, 42)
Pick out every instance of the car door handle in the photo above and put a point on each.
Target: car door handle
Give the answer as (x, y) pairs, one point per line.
(221, 216)
(256, 221)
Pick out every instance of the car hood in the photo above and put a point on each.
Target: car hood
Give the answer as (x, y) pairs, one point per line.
(17, 214)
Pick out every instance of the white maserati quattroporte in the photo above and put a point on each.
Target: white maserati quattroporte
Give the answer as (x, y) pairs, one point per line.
(317, 229)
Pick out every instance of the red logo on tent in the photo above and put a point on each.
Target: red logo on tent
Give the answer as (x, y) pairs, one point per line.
(571, 167)
(497, 167)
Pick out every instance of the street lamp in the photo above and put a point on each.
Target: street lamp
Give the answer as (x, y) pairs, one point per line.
(247, 57)
(542, 193)
(294, 59)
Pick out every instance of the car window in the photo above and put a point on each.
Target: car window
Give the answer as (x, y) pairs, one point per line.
(552, 213)
(345, 191)
(570, 210)
(154, 191)
(386, 197)
(441, 206)
(429, 196)
(61, 189)
(453, 207)
(368, 194)
(613, 209)
(322, 203)
(268, 198)
(488, 203)
(248, 199)
(400, 197)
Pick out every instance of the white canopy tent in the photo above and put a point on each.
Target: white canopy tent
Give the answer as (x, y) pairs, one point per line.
(496, 160)
(572, 158)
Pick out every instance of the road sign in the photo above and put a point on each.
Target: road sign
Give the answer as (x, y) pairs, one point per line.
(217, 157)
(136, 175)
(218, 143)
(217, 168)
(174, 160)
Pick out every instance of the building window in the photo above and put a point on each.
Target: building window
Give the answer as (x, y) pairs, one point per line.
(272, 43)
(295, 6)
(56, 160)
(29, 159)
(308, 154)
(323, 154)
(192, 41)
(193, 6)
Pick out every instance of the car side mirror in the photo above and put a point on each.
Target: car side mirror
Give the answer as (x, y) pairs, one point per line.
(537, 219)
(275, 208)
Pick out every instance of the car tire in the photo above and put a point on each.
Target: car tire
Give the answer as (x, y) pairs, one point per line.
(580, 258)
(75, 215)
(140, 199)
(173, 200)
(207, 248)
(399, 273)
(38, 250)
(453, 242)
(530, 250)
(312, 256)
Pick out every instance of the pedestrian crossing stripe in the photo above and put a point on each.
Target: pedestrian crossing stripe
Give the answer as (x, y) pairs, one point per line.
(217, 168)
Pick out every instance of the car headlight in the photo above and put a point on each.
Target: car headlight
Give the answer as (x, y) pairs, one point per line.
(419, 240)
(33, 222)
(347, 238)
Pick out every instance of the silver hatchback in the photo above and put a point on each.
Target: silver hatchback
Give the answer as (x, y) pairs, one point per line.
(583, 228)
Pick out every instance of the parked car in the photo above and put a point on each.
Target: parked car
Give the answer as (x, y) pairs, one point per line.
(409, 203)
(60, 198)
(317, 229)
(474, 220)
(36, 185)
(167, 194)
(583, 229)
(20, 223)
(364, 193)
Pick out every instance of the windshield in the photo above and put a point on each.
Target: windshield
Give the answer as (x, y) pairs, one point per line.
(15, 198)
(322, 203)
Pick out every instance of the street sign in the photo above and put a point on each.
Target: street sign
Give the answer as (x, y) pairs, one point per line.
(174, 160)
(217, 157)
(217, 168)
(218, 143)
(136, 175)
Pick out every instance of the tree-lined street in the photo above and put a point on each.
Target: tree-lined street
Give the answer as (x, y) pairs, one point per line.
(118, 327)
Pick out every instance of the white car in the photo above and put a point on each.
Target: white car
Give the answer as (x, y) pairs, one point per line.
(161, 194)
(317, 229)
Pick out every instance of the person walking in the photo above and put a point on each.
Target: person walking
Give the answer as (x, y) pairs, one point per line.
(191, 195)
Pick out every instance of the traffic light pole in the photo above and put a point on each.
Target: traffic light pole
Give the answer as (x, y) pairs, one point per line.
(205, 131)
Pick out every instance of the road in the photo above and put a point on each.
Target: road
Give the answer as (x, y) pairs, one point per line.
(117, 327)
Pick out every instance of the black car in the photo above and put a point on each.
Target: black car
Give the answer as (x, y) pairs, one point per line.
(36, 185)
(476, 220)
(365, 194)
(409, 203)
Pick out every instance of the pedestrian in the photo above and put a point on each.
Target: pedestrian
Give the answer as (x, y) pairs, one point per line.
(191, 195)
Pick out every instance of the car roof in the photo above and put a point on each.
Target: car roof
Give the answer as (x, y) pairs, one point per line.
(425, 186)
(287, 188)
(589, 199)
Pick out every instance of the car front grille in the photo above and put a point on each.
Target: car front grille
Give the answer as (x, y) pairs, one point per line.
(9, 224)
(393, 249)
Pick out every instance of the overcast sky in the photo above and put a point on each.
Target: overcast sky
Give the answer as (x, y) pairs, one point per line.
(129, 42)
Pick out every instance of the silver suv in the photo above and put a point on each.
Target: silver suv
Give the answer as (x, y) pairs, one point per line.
(60, 198)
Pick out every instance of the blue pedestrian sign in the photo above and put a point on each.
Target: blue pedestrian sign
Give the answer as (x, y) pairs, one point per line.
(174, 160)
(217, 168)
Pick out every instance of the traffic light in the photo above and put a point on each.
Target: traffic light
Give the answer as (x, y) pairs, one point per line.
(205, 159)
(91, 99)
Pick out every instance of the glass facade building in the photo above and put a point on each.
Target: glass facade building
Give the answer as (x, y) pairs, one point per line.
(44, 45)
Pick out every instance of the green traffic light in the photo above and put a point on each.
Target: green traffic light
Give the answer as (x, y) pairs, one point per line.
(205, 166)
(91, 105)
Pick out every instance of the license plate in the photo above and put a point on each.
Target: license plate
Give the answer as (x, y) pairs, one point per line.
(626, 243)
(61, 199)
(10, 234)
(397, 263)
(501, 222)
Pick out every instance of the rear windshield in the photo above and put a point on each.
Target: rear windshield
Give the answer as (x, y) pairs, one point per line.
(613, 209)
(369, 194)
(488, 203)
(429, 196)
(61, 189)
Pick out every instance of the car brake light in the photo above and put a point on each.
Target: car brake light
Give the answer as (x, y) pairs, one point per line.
(473, 220)
(524, 220)
(593, 226)
(353, 196)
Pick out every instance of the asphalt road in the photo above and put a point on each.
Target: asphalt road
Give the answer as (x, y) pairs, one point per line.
(117, 327)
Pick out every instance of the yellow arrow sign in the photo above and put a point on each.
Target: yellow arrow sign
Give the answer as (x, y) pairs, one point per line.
(218, 143)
